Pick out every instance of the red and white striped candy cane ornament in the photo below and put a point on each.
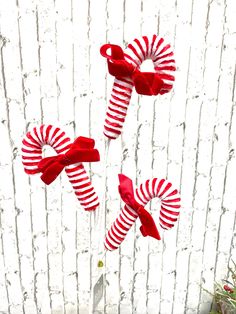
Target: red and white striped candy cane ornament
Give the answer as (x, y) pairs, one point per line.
(69, 156)
(124, 65)
(134, 208)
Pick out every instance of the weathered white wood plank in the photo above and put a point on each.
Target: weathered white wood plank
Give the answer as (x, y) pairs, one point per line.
(114, 35)
(112, 208)
(150, 16)
(54, 229)
(204, 147)
(163, 109)
(20, 205)
(175, 147)
(97, 92)
(131, 30)
(81, 26)
(220, 158)
(3, 289)
(65, 97)
(4, 160)
(193, 103)
(222, 260)
(30, 53)
(46, 28)
(143, 172)
(30, 62)
(146, 150)
(46, 19)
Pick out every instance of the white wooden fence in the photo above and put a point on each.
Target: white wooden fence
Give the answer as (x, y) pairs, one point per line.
(52, 72)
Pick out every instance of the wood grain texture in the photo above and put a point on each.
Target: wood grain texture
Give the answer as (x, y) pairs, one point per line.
(51, 72)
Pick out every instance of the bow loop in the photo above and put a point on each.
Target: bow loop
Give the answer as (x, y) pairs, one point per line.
(126, 191)
(148, 227)
(84, 142)
(145, 83)
(126, 198)
(117, 65)
(64, 159)
(82, 150)
(117, 52)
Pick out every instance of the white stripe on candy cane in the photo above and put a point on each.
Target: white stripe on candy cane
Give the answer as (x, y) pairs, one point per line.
(32, 145)
(169, 210)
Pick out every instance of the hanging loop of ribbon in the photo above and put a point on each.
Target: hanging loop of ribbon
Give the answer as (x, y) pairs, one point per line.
(82, 150)
(145, 83)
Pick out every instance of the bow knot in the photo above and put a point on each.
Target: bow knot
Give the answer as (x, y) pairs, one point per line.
(63, 159)
(81, 150)
(145, 83)
(148, 227)
(139, 210)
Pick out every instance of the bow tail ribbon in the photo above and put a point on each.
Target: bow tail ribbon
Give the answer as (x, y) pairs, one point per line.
(126, 190)
(50, 167)
(148, 227)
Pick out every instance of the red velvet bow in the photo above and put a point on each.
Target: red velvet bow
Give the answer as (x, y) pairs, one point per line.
(126, 191)
(81, 150)
(145, 83)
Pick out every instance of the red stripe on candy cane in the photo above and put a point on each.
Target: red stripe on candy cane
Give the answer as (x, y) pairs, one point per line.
(147, 47)
(32, 146)
(154, 188)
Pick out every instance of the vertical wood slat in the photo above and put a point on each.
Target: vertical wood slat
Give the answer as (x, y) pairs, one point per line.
(6, 199)
(224, 245)
(175, 145)
(220, 157)
(18, 226)
(162, 154)
(150, 276)
(31, 67)
(204, 147)
(97, 92)
(54, 74)
(129, 166)
(49, 101)
(69, 206)
(81, 26)
(4, 294)
(191, 126)
(114, 293)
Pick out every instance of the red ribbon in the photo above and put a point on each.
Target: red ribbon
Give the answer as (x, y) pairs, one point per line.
(145, 83)
(148, 227)
(81, 150)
